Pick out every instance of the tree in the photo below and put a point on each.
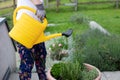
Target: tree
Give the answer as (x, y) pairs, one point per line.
(14, 3)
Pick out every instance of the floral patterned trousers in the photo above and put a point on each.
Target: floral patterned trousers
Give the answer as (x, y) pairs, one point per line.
(37, 54)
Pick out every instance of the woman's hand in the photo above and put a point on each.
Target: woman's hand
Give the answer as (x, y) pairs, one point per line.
(40, 11)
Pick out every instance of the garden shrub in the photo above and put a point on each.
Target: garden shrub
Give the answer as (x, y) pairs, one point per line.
(67, 71)
(59, 49)
(72, 71)
(89, 75)
(56, 70)
(79, 19)
(99, 49)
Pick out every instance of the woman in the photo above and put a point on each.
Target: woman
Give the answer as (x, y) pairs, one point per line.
(37, 54)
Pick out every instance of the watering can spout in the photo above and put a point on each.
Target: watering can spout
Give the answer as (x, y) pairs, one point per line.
(43, 38)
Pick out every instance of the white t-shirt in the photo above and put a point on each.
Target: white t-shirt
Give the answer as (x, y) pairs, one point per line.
(27, 3)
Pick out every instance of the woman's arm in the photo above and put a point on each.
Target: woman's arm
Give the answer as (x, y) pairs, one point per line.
(27, 3)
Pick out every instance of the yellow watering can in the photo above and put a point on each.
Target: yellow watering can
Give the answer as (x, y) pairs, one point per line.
(29, 31)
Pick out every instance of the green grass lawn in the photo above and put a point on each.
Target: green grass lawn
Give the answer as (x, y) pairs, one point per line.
(6, 3)
(104, 14)
(109, 20)
(7, 13)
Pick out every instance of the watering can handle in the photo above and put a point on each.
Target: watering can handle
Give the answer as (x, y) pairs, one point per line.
(21, 7)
